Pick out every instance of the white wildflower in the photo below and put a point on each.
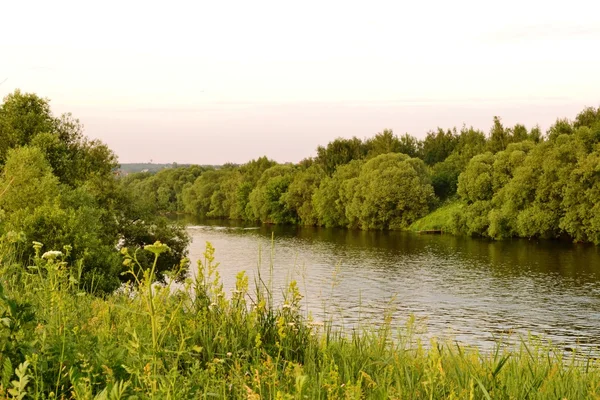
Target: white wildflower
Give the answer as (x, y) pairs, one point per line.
(52, 254)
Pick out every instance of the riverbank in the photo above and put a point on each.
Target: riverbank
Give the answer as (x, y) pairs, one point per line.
(58, 341)
(438, 220)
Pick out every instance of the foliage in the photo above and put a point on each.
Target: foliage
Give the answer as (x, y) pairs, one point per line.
(390, 192)
(204, 196)
(445, 173)
(248, 177)
(386, 142)
(513, 182)
(501, 137)
(267, 201)
(534, 190)
(59, 187)
(334, 194)
(153, 341)
(340, 152)
(22, 117)
(163, 190)
(298, 197)
(437, 146)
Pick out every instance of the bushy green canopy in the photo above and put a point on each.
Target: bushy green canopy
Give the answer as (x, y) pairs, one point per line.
(59, 188)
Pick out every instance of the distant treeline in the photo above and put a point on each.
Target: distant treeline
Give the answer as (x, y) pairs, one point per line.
(131, 168)
(511, 182)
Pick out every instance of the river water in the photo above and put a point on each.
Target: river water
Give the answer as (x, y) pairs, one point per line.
(470, 290)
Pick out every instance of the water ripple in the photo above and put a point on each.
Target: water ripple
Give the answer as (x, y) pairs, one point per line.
(470, 290)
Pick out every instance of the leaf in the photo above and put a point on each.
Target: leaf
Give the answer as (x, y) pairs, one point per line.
(197, 349)
(500, 365)
(7, 372)
(483, 389)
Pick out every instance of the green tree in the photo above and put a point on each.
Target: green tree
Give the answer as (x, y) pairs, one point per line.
(267, 200)
(437, 146)
(197, 198)
(251, 173)
(444, 174)
(386, 142)
(560, 127)
(499, 136)
(22, 117)
(589, 117)
(444, 177)
(409, 145)
(391, 191)
(333, 195)
(476, 182)
(59, 188)
(298, 197)
(581, 193)
(340, 152)
(27, 180)
(36, 205)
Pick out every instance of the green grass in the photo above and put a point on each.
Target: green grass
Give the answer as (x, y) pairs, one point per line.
(440, 219)
(155, 342)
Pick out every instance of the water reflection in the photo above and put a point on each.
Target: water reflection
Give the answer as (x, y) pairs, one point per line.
(467, 289)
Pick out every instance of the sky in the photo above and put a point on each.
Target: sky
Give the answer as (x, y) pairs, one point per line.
(210, 82)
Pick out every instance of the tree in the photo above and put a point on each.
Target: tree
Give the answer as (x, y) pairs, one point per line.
(334, 194)
(581, 193)
(42, 210)
(251, 173)
(382, 143)
(339, 152)
(444, 174)
(391, 192)
(59, 189)
(476, 182)
(22, 117)
(386, 142)
(470, 143)
(589, 117)
(409, 145)
(27, 179)
(298, 197)
(437, 146)
(267, 200)
(560, 127)
(519, 133)
(499, 136)
(27, 119)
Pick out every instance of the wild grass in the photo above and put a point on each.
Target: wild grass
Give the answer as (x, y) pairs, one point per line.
(149, 341)
(440, 219)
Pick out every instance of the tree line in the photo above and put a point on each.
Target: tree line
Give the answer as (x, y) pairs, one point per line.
(512, 181)
(60, 188)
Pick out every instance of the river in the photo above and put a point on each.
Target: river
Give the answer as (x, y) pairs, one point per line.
(470, 290)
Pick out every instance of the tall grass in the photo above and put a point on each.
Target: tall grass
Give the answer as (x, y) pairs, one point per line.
(162, 342)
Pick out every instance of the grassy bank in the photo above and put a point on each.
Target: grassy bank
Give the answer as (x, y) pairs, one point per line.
(440, 219)
(149, 341)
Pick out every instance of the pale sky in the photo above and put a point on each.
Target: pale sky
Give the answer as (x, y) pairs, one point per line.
(226, 81)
